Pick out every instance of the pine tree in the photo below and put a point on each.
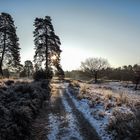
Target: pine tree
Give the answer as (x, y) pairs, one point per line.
(47, 44)
(28, 68)
(9, 46)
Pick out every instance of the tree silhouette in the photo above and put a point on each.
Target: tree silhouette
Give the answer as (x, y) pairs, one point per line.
(28, 68)
(136, 69)
(60, 73)
(9, 46)
(47, 44)
(92, 66)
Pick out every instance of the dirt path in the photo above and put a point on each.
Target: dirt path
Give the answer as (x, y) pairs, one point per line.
(60, 120)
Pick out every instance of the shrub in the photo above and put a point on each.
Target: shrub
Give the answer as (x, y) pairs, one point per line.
(83, 89)
(75, 84)
(74, 87)
(9, 82)
(122, 99)
(19, 106)
(41, 74)
(108, 95)
(121, 121)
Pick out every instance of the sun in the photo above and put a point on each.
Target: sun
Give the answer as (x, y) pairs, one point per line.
(54, 57)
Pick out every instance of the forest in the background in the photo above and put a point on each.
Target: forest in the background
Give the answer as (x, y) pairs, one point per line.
(125, 73)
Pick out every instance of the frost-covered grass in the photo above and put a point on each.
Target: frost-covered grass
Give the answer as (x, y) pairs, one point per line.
(111, 108)
(20, 102)
(98, 124)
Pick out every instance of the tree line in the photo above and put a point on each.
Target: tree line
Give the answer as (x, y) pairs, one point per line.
(47, 48)
(99, 68)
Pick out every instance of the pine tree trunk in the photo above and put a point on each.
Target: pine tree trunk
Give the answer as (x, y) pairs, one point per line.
(3, 52)
(95, 77)
(137, 82)
(1, 71)
(136, 86)
(28, 72)
(46, 55)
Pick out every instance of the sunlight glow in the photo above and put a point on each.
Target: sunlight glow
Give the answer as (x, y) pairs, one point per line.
(54, 57)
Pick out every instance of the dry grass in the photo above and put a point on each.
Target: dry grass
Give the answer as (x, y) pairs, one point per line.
(120, 106)
(75, 83)
(84, 89)
(108, 95)
(123, 97)
(82, 94)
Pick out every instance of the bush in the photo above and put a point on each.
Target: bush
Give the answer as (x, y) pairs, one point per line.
(41, 74)
(121, 122)
(19, 106)
(83, 89)
(9, 82)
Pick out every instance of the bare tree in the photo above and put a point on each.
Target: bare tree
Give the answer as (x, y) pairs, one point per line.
(92, 66)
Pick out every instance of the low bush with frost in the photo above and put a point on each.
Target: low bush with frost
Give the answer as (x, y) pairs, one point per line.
(74, 87)
(19, 106)
(83, 89)
(125, 123)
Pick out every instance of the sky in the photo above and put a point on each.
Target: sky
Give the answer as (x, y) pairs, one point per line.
(87, 28)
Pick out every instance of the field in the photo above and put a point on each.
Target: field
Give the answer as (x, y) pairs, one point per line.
(113, 108)
(70, 110)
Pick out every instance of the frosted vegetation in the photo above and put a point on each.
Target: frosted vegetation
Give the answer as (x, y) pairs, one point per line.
(115, 108)
(20, 102)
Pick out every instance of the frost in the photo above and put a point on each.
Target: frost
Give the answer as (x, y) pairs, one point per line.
(72, 127)
(99, 125)
(53, 127)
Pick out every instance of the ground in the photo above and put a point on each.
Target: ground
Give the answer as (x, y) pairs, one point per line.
(94, 112)
(61, 120)
(77, 110)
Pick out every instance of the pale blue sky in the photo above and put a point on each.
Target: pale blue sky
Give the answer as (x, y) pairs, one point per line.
(87, 28)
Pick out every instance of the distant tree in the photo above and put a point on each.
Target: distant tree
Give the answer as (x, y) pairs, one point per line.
(22, 73)
(36, 67)
(136, 69)
(60, 73)
(9, 46)
(41, 74)
(47, 44)
(126, 73)
(77, 75)
(6, 73)
(93, 66)
(28, 68)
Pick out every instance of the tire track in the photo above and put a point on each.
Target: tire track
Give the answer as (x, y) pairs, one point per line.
(60, 120)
